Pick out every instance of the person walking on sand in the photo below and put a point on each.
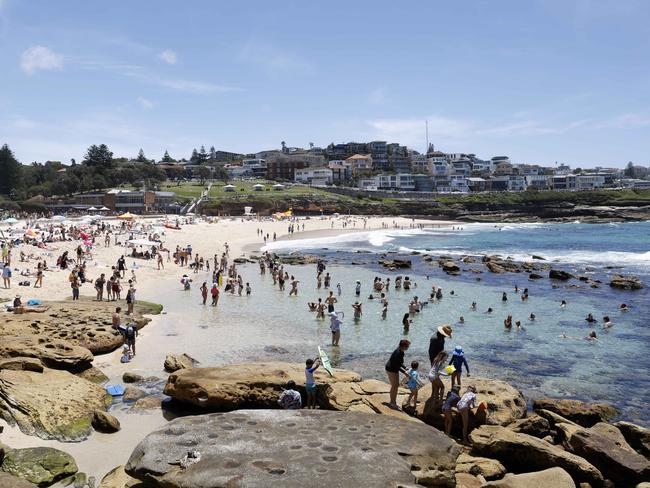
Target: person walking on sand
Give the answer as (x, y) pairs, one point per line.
(458, 360)
(204, 292)
(394, 366)
(159, 260)
(6, 275)
(437, 341)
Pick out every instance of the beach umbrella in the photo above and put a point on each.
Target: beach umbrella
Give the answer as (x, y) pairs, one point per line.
(92, 209)
(104, 209)
(126, 216)
(31, 233)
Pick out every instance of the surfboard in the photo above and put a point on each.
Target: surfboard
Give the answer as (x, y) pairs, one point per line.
(325, 361)
(115, 390)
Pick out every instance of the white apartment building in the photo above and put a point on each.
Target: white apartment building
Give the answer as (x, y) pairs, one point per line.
(313, 176)
(536, 181)
(589, 182)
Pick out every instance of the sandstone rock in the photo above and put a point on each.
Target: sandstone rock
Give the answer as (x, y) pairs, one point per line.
(94, 375)
(533, 425)
(604, 446)
(132, 394)
(626, 283)
(10, 481)
(521, 451)
(548, 478)
(468, 260)
(558, 274)
(538, 257)
(535, 276)
(148, 403)
(248, 385)
(297, 448)
(129, 377)
(42, 466)
(490, 469)
(53, 353)
(174, 362)
(637, 437)
(22, 364)
(505, 404)
(52, 405)
(105, 422)
(450, 268)
(396, 263)
(582, 413)
(466, 480)
(117, 478)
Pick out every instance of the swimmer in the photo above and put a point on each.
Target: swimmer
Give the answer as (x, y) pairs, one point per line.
(607, 323)
(592, 336)
(531, 317)
(563, 304)
(623, 307)
(406, 322)
(356, 306)
(312, 306)
(590, 318)
(489, 310)
(518, 325)
(507, 323)
(472, 306)
(461, 320)
(504, 297)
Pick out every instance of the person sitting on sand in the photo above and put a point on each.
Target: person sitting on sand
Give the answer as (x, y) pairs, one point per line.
(290, 399)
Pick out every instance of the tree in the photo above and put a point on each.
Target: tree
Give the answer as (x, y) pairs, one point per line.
(203, 172)
(629, 170)
(203, 156)
(577, 171)
(213, 154)
(141, 157)
(10, 171)
(99, 157)
(167, 158)
(195, 156)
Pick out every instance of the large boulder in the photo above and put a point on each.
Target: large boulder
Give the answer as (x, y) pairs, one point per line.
(558, 274)
(174, 362)
(53, 353)
(248, 385)
(604, 446)
(582, 413)
(505, 403)
(297, 448)
(22, 364)
(637, 437)
(42, 466)
(10, 481)
(548, 478)
(626, 283)
(490, 469)
(450, 268)
(52, 405)
(533, 424)
(519, 452)
(105, 422)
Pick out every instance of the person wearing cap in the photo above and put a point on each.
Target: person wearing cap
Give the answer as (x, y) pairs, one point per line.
(394, 366)
(437, 342)
(453, 397)
(467, 401)
(458, 360)
(18, 302)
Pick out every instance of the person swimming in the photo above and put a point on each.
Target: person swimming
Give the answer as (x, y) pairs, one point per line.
(531, 317)
(607, 323)
(563, 304)
(590, 318)
(623, 307)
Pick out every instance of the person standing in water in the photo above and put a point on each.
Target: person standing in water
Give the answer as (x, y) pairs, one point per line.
(294, 286)
(331, 300)
(204, 292)
(335, 327)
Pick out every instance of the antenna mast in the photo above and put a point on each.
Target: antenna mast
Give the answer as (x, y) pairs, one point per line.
(426, 123)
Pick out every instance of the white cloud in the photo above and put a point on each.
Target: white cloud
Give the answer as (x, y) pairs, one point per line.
(40, 58)
(377, 96)
(412, 131)
(168, 56)
(189, 86)
(625, 121)
(145, 103)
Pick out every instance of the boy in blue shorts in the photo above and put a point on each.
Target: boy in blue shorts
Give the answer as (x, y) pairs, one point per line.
(310, 385)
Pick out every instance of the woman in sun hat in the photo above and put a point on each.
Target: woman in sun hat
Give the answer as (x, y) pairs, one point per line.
(458, 360)
(437, 342)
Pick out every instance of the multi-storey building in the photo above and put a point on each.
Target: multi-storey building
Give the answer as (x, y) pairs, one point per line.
(360, 163)
(314, 176)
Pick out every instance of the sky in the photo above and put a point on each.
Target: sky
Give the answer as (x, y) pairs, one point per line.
(541, 81)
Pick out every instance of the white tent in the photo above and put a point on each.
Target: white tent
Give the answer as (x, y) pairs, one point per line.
(92, 209)
(104, 209)
(229, 188)
(278, 186)
(258, 187)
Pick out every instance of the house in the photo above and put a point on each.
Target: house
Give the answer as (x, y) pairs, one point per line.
(419, 164)
(516, 183)
(360, 163)
(476, 184)
(379, 152)
(137, 201)
(400, 181)
(539, 182)
(503, 168)
(423, 183)
(341, 170)
(314, 176)
(589, 182)
(255, 167)
(283, 169)
(562, 182)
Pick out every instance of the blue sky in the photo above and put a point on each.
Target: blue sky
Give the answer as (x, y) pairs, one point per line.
(538, 80)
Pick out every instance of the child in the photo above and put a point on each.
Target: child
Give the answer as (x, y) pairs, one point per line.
(458, 359)
(450, 402)
(248, 289)
(310, 385)
(412, 384)
(437, 386)
(467, 401)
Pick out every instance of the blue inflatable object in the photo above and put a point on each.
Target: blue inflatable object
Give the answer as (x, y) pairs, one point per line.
(33, 302)
(115, 390)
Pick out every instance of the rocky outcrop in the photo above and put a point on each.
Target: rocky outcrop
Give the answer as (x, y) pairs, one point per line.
(129, 377)
(505, 404)
(10, 481)
(52, 405)
(85, 323)
(22, 364)
(533, 424)
(394, 264)
(558, 274)
(41, 466)
(131, 394)
(521, 451)
(53, 353)
(174, 362)
(582, 413)
(93, 374)
(248, 385)
(636, 436)
(548, 478)
(450, 268)
(297, 448)
(490, 469)
(626, 283)
(105, 422)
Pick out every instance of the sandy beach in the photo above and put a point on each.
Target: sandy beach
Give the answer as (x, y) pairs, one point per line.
(206, 239)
